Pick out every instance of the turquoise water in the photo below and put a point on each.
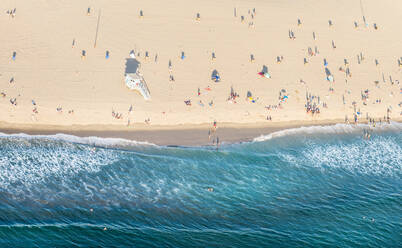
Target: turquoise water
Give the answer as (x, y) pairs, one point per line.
(307, 187)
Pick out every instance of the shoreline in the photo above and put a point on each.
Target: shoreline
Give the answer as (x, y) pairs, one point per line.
(64, 83)
(177, 135)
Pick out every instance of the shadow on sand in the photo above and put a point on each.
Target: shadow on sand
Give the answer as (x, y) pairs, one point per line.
(132, 65)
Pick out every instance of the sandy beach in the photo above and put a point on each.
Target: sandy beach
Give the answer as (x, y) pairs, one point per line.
(63, 65)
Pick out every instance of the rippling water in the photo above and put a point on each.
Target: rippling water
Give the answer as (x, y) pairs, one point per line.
(304, 187)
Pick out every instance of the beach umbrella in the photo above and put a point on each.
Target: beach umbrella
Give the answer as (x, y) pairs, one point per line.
(215, 76)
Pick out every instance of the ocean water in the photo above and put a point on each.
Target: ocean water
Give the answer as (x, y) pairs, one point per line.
(305, 187)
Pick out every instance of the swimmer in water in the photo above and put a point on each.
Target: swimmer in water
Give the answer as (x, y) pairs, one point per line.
(210, 189)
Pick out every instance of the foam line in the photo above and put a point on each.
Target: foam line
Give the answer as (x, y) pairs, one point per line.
(331, 129)
(91, 140)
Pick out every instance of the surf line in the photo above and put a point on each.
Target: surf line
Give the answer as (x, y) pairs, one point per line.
(97, 28)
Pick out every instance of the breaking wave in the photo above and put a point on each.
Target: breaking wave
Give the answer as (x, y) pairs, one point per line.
(331, 129)
(91, 140)
(324, 189)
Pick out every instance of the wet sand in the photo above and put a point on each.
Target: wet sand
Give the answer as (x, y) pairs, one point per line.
(183, 135)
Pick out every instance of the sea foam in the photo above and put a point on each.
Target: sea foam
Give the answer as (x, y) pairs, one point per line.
(91, 140)
(330, 129)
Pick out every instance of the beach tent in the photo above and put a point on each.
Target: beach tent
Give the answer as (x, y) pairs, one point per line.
(215, 76)
(135, 81)
(264, 72)
(329, 75)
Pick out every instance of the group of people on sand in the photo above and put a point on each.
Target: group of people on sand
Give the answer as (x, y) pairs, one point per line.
(117, 115)
(233, 96)
(12, 12)
(312, 106)
(13, 101)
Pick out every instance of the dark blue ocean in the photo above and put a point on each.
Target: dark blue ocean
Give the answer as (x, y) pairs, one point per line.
(306, 187)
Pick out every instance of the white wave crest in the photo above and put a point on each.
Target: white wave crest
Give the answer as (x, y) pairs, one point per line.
(330, 129)
(27, 162)
(91, 140)
(380, 155)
